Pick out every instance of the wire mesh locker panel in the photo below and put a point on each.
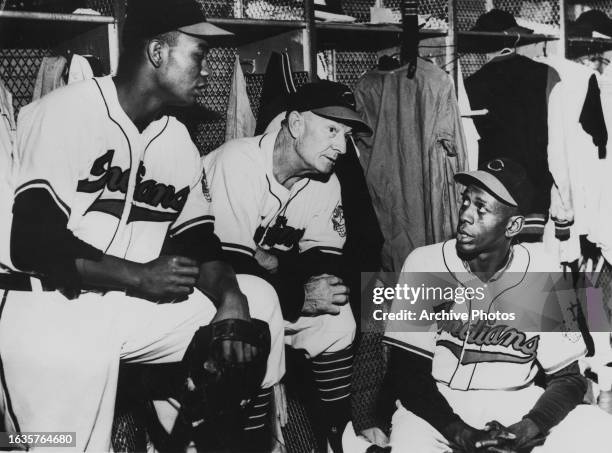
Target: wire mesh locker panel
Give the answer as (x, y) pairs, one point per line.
(255, 9)
(437, 9)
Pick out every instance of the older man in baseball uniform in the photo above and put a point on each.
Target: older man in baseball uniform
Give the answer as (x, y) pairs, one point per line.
(113, 227)
(279, 215)
(467, 384)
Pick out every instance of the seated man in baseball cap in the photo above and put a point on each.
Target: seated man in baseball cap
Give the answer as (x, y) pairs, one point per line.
(114, 237)
(461, 372)
(279, 215)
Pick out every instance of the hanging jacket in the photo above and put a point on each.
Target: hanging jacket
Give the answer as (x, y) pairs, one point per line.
(240, 120)
(410, 160)
(514, 89)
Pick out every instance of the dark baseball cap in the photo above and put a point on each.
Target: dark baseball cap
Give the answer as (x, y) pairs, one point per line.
(330, 100)
(497, 20)
(149, 18)
(504, 179)
(590, 21)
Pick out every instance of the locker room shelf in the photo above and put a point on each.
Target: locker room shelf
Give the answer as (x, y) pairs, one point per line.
(480, 41)
(579, 46)
(364, 36)
(250, 30)
(56, 17)
(19, 29)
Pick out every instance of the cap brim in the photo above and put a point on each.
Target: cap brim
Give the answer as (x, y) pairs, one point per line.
(346, 116)
(519, 29)
(490, 182)
(205, 29)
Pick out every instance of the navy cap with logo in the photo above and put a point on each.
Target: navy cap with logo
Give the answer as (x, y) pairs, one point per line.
(149, 18)
(504, 179)
(330, 100)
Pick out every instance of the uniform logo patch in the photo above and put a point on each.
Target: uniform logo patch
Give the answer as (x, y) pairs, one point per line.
(280, 234)
(205, 190)
(338, 221)
(496, 165)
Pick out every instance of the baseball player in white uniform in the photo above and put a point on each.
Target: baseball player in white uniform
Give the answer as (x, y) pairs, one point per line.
(113, 227)
(455, 381)
(279, 215)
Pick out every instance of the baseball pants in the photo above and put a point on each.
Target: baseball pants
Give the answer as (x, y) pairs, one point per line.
(60, 358)
(323, 333)
(584, 429)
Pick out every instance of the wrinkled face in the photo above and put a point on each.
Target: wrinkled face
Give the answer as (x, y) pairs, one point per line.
(321, 142)
(185, 70)
(483, 222)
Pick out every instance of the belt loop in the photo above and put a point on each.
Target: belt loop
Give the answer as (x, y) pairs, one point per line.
(36, 284)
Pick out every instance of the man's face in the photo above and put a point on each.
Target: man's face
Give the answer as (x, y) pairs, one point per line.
(321, 143)
(185, 72)
(482, 223)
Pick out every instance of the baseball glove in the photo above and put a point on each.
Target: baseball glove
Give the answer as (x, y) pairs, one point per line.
(217, 390)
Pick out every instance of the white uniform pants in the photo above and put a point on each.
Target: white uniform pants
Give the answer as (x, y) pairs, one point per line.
(585, 429)
(60, 357)
(323, 333)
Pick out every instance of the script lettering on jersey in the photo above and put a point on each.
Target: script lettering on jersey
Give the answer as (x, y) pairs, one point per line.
(280, 234)
(484, 333)
(150, 192)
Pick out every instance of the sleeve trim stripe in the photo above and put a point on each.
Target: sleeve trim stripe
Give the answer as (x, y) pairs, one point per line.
(331, 250)
(192, 223)
(408, 347)
(237, 248)
(565, 363)
(44, 184)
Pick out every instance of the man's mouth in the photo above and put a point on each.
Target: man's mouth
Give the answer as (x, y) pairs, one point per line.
(464, 237)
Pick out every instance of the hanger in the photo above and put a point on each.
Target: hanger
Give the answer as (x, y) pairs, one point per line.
(508, 50)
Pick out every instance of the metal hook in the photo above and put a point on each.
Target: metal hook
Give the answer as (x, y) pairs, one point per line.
(518, 38)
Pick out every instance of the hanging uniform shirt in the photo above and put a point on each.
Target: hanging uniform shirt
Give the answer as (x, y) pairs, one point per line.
(410, 160)
(490, 355)
(7, 138)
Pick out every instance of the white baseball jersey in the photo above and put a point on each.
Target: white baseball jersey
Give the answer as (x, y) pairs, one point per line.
(113, 183)
(253, 209)
(489, 355)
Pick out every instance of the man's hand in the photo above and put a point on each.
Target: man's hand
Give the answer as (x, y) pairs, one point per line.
(235, 307)
(524, 436)
(376, 436)
(266, 260)
(167, 278)
(465, 439)
(324, 294)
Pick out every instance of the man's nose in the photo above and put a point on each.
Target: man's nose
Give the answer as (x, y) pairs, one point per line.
(204, 68)
(466, 215)
(340, 144)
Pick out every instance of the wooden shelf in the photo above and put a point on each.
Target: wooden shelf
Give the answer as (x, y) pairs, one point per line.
(579, 46)
(25, 29)
(250, 30)
(57, 17)
(484, 41)
(364, 36)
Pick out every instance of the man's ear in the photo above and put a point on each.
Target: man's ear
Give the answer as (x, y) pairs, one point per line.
(515, 225)
(155, 52)
(295, 124)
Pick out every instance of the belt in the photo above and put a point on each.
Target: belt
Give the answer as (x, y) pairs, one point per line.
(16, 281)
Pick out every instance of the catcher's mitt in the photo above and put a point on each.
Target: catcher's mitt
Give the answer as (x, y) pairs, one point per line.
(217, 390)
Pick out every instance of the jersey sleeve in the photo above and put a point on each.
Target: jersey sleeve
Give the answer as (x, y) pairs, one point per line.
(47, 151)
(48, 166)
(235, 190)
(193, 232)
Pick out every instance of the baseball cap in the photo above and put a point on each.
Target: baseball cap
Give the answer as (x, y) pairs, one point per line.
(330, 100)
(504, 179)
(148, 18)
(497, 20)
(590, 21)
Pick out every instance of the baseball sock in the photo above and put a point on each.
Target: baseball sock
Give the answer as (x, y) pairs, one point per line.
(333, 372)
(257, 429)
